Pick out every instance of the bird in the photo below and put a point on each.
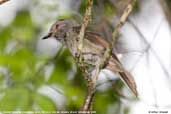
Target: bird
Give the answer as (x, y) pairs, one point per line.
(94, 48)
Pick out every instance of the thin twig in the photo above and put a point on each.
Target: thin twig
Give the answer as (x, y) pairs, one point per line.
(89, 98)
(3, 1)
(122, 20)
(90, 90)
(86, 20)
(90, 86)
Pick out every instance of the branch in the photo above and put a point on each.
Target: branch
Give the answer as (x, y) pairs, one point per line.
(3, 1)
(122, 20)
(90, 85)
(90, 90)
(86, 20)
(89, 98)
(125, 75)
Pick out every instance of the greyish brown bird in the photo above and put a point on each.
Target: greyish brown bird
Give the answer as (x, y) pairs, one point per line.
(94, 47)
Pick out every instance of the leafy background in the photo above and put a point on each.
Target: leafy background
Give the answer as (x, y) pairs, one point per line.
(32, 80)
(41, 75)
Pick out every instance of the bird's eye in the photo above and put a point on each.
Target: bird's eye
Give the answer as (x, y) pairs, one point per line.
(57, 25)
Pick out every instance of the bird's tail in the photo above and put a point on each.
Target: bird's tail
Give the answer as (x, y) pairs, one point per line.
(115, 66)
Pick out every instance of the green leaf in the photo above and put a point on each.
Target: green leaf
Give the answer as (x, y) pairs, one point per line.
(75, 97)
(5, 35)
(44, 103)
(106, 99)
(83, 6)
(21, 64)
(22, 26)
(16, 98)
(23, 18)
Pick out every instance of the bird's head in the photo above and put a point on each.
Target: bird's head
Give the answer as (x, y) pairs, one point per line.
(59, 29)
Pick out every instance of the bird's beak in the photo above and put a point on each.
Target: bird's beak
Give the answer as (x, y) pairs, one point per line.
(47, 36)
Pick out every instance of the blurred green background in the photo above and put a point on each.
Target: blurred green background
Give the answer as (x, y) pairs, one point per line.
(31, 82)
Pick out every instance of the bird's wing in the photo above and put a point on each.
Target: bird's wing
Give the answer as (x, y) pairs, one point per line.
(114, 64)
(93, 37)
